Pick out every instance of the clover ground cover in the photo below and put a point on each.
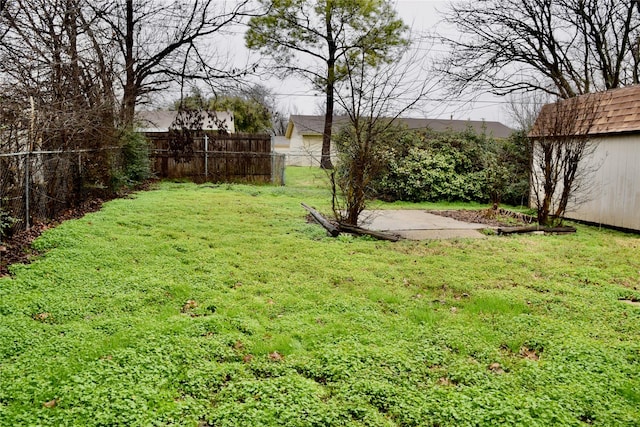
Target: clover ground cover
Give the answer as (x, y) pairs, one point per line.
(220, 305)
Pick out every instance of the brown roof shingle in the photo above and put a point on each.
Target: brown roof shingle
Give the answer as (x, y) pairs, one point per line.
(612, 112)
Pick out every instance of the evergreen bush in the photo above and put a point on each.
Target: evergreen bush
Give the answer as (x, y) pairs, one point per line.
(6, 221)
(457, 166)
(136, 164)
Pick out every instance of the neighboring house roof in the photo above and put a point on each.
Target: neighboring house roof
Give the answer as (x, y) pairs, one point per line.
(308, 125)
(615, 111)
(314, 125)
(496, 129)
(160, 121)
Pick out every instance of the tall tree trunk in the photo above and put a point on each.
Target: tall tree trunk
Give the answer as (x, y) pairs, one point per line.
(325, 156)
(130, 91)
(547, 167)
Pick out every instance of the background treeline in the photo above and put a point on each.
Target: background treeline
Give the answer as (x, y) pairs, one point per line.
(73, 73)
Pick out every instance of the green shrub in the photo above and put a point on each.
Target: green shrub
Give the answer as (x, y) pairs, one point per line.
(457, 166)
(514, 154)
(439, 166)
(425, 175)
(6, 222)
(136, 165)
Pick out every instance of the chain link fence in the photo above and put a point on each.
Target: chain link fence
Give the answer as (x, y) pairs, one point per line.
(37, 186)
(40, 185)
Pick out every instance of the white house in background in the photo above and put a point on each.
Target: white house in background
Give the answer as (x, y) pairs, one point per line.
(160, 121)
(612, 195)
(304, 134)
(281, 145)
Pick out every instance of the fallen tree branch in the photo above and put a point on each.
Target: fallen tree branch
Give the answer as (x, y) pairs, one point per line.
(331, 229)
(520, 230)
(364, 232)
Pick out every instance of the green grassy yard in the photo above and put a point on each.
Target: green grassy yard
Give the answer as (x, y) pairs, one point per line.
(218, 305)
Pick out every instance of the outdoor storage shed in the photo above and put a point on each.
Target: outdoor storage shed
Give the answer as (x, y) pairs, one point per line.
(610, 189)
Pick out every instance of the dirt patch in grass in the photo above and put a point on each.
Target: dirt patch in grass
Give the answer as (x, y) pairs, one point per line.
(493, 217)
(631, 301)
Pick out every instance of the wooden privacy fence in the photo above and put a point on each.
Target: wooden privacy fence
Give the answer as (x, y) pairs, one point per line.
(219, 158)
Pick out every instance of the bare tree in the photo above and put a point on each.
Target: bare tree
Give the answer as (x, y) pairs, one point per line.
(373, 97)
(6, 11)
(161, 42)
(53, 55)
(56, 70)
(73, 56)
(524, 108)
(562, 145)
(563, 47)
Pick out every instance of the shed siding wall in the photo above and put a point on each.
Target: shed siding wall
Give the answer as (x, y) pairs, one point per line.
(612, 197)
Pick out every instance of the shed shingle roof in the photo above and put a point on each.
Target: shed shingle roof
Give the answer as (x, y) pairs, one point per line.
(615, 111)
(314, 125)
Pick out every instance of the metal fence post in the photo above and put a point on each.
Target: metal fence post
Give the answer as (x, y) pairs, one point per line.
(273, 160)
(283, 165)
(27, 166)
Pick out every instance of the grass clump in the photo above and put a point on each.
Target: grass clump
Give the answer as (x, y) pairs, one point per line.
(219, 305)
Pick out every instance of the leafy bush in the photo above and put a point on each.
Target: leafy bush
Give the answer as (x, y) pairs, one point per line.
(6, 221)
(514, 154)
(136, 165)
(457, 166)
(438, 166)
(425, 175)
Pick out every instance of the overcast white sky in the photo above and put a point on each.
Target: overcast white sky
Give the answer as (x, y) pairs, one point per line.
(426, 15)
(296, 97)
(422, 15)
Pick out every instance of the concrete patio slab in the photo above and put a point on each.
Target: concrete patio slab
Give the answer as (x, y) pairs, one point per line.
(419, 225)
